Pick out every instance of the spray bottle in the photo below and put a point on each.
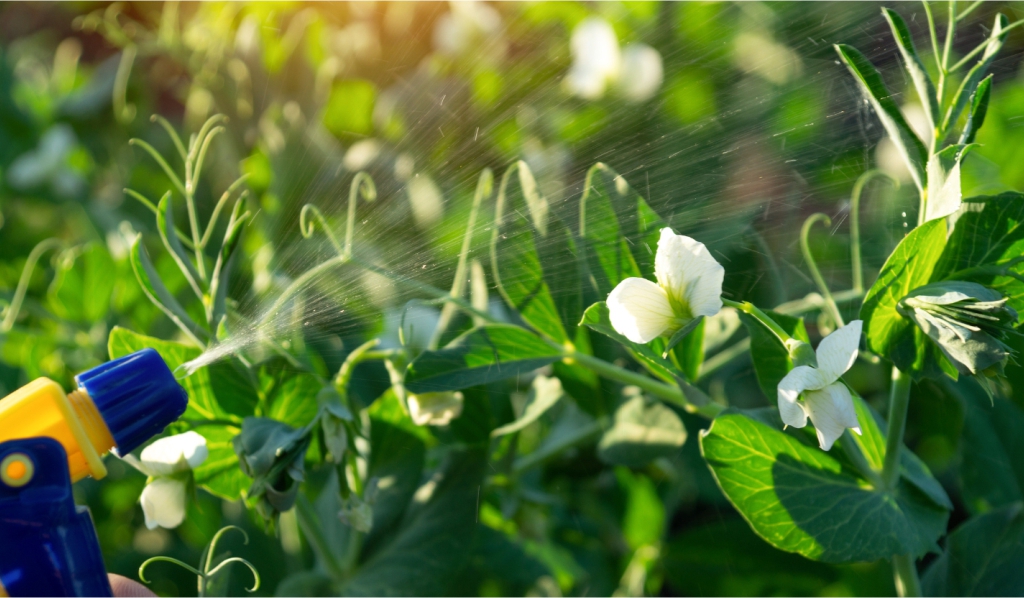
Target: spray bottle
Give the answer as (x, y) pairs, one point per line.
(48, 441)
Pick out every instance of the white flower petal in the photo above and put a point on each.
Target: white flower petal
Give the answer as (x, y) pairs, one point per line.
(831, 411)
(798, 380)
(435, 408)
(639, 310)
(163, 503)
(838, 351)
(174, 454)
(687, 271)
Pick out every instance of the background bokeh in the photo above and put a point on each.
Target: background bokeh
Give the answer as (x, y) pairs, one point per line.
(748, 125)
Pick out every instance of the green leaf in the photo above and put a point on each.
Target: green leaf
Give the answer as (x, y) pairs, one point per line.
(289, 396)
(220, 474)
(521, 224)
(434, 540)
(169, 236)
(985, 243)
(982, 558)
(272, 453)
(911, 61)
(481, 355)
(979, 108)
(801, 499)
(83, 284)
(689, 352)
(971, 82)
(944, 190)
(910, 265)
(155, 290)
(991, 470)
(902, 135)
(643, 431)
(397, 453)
(771, 358)
(609, 225)
(544, 393)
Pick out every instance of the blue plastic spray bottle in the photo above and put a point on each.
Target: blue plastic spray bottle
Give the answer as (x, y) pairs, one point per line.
(49, 440)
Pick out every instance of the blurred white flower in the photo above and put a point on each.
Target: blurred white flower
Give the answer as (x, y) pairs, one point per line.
(435, 408)
(417, 323)
(826, 400)
(642, 73)
(468, 22)
(169, 462)
(596, 59)
(361, 154)
(758, 54)
(425, 199)
(689, 285)
(48, 164)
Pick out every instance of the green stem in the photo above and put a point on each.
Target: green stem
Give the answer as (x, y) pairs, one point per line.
(981, 47)
(26, 276)
(934, 35)
(667, 392)
(855, 256)
(813, 266)
(484, 187)
(752, 310)
(362, 184)
(899, 400)
(905, 572)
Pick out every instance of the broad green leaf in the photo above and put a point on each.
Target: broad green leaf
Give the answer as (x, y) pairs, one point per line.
(272, 453)
(157, 292)
(991, 469)
(982, 558)
(970, 84)
(220, 474)
(984, 244)
(397, 453)
(802, 499)
(771, 358)
(544, 393)
(979, 108)
(521, 224)
(434, 540)
(911, 62)
(83, 284)
(609, 223)
(910, 265)
(643, 431)
(289, 396)
(481, 355)
(503, 558)
(873, 87)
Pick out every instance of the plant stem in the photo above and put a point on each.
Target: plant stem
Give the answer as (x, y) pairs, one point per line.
(667, 392)
(899, 400)
(905, 572)
(26, 276)
(858, 189)
(819, 280)
(752, 310)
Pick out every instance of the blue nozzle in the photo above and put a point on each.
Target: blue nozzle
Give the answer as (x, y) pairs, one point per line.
(137, 395)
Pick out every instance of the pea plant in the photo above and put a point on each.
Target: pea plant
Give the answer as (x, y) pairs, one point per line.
(606, 316)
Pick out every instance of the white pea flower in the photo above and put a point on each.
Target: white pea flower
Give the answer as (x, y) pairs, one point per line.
(435, 408)
(596, 58)
(169, 462)
(689, 285)
(826, 400)
(642, 73)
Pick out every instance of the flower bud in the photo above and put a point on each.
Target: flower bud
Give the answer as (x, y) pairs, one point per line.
(435, 408)
(968, 322)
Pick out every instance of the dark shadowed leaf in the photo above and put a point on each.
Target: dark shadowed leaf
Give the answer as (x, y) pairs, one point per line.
(484, 354)
(982, 558)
